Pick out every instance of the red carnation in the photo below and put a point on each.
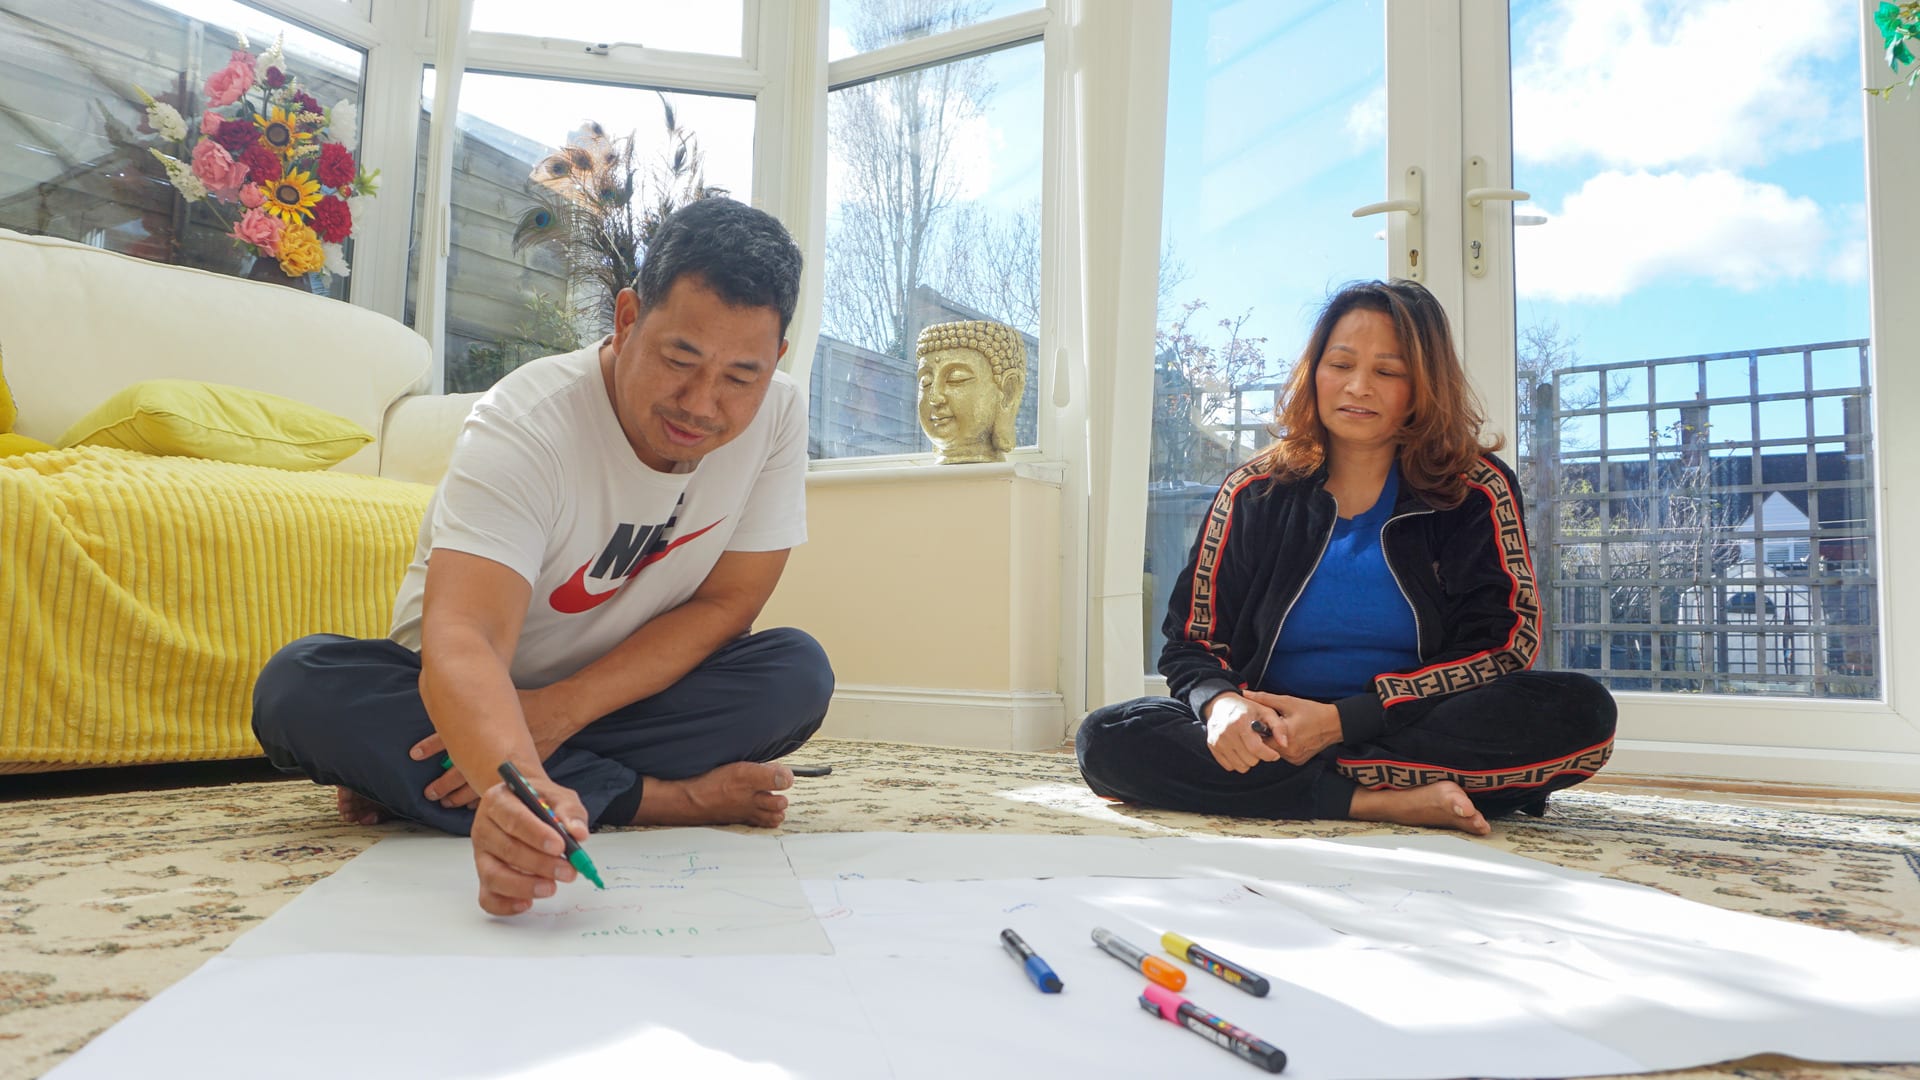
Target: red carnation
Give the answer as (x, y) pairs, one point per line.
(263, 165)
(308, 104)
(276, 78)
(336, 169)
(331, 219)
(235, 136)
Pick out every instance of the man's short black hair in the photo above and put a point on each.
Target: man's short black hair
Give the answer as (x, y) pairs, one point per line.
(744, 255)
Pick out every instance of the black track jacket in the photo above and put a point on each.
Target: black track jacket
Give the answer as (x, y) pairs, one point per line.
(1465, 572)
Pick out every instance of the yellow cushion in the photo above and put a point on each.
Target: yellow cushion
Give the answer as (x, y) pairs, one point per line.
(7, 411)
(12, 445)
(224, 423)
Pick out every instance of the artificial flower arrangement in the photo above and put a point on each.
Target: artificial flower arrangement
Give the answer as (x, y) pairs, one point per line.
(269, 163)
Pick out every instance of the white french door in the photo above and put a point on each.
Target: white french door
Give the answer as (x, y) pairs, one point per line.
(1701, 300)
(1701, 306)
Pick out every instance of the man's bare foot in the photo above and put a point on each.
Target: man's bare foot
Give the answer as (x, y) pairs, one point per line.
(357, 809)
(742, 793)
(1441, 804)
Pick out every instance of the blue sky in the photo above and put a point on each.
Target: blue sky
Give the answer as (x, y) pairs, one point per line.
(1700, 165)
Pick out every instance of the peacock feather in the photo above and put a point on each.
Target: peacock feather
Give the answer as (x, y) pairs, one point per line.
(598, 207)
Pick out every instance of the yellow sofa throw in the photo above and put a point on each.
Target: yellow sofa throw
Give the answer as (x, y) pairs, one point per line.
(222, 423)
(140, 596)
(8, 411)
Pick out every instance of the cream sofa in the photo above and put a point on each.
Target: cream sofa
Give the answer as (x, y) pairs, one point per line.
(78, 323)
(138, 595)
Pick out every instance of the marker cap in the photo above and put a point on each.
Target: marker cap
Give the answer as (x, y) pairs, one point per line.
(1042, 975)
(1168, 1001)
(1175, 944)
(1164, 973)
(585, 866)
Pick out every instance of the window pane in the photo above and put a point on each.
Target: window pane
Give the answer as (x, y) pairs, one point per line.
(710, 26)
(76, 161)
(1702, 262)
(1276, 131)
(933, 215)
(515, 295)
(859, 26)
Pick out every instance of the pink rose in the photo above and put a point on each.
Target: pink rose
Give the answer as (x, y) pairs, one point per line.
(251, 196)
(261, 230)
(210, 123)
(224, 87)
(217, 169)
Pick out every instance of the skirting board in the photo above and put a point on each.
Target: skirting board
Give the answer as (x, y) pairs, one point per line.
(972, 719)
(1861, 770)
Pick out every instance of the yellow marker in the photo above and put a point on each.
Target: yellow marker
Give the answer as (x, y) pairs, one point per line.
(1214, 964)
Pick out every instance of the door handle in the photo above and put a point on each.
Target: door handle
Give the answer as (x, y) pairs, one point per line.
(1477, 199)
(1412, 191)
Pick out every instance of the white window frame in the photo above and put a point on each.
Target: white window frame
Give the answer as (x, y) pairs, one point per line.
(392, 35)
(1866, 744)
(1014, 30)
(437, 33)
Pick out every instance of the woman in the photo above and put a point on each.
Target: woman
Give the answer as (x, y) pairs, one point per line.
(1354, 633)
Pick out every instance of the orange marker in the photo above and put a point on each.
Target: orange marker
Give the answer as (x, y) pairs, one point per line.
(1151, 966)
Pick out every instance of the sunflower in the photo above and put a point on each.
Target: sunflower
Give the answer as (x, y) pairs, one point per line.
(280, 130)
(291, 197)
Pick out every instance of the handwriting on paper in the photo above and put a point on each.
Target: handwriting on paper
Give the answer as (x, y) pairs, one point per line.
(623, 930)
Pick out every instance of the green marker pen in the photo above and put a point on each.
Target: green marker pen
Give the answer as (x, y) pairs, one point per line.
(576, 854)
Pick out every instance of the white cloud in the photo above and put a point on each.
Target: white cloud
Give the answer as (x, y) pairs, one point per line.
(1624, 231)
(1367, 119)
(1849, 261)
(1661, 83)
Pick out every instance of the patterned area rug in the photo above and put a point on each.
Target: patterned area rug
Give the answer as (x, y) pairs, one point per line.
(106, 900)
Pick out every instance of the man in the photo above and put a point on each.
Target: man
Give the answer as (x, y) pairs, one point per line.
(581, 596)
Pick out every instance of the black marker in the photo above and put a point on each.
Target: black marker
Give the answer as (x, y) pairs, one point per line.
(576, 854)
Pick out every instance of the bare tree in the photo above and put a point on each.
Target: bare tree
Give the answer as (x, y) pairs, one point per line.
(895, 139)
(1643, 547)
(1199, 386)
(994, 265)
(1544, 351)
(1173, 274)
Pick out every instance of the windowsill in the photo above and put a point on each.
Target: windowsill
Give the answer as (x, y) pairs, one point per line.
(1044, 472)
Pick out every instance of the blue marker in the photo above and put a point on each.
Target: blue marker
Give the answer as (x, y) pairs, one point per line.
(1036, 968)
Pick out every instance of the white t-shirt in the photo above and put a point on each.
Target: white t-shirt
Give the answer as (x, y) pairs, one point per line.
(544, 481)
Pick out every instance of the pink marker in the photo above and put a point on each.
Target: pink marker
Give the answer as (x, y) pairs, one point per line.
(1244, 1044)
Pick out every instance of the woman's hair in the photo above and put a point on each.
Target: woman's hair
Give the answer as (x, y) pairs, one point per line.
(1441, 439)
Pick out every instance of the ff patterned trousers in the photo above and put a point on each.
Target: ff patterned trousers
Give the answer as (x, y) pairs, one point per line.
(1508, 744)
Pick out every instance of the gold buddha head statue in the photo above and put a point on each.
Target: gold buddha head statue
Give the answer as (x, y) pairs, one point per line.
(972, 376)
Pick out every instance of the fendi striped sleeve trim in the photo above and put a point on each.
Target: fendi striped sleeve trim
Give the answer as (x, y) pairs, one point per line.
(1203, 601)
(1522, 642)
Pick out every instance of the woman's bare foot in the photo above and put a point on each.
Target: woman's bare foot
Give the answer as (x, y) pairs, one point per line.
(357, 809)
(742, 793)
(1441, 804)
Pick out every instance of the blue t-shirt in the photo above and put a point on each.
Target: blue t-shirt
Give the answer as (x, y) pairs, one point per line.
(1351, 621)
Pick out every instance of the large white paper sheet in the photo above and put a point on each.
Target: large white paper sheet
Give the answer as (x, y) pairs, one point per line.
(373, 1017)
(1396, 957)
(960, 857)
(677, 892)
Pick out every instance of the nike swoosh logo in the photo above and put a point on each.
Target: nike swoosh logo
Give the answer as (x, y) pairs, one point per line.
(572, 597)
